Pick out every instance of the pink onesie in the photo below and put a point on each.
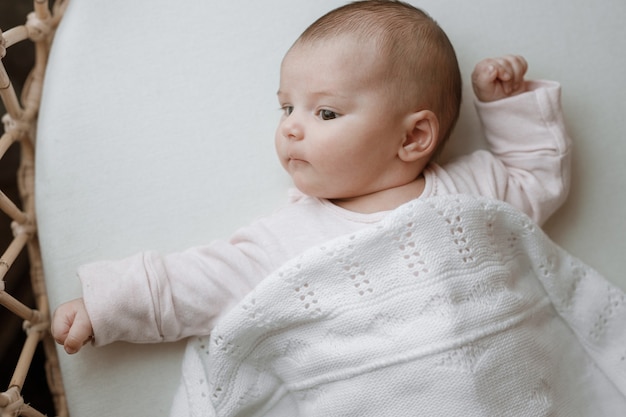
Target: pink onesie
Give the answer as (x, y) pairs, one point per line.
(149, 297)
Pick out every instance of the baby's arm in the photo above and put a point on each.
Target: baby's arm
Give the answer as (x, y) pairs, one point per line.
(497, 78)
(525, 130)
(150, 298)
(71, 326)
(528, 162)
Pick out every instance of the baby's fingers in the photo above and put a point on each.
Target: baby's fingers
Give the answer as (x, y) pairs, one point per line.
(79, 334)
(485, 73)
(497, 78)
(71, 326)
(511, 70)
(61, 324)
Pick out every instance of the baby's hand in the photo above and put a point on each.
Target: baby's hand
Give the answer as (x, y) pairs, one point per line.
(71, 326)
(497, 78)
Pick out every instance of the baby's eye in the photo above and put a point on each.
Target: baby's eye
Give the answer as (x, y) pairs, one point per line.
(328, 114)
(287, 110)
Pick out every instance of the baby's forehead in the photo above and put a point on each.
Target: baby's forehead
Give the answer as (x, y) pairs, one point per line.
(350, 70)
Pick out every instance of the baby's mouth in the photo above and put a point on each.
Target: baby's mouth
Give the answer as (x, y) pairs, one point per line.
(294, 158)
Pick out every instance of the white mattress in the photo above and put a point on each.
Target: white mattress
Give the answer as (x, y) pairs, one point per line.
(156, 132)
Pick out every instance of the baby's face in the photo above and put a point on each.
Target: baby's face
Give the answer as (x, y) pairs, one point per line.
(340, 131)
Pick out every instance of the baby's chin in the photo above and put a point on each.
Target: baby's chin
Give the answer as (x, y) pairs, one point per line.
(309, 189)
(320, 191)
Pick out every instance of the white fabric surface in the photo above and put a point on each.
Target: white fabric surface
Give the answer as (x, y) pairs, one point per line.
(451, 306)
(137, 90)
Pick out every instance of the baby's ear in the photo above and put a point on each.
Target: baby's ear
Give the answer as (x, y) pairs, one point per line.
(421, 136)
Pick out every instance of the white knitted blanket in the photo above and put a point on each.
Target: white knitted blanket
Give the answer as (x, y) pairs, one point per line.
(451, 306)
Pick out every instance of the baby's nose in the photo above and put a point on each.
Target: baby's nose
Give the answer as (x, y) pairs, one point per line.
(292, 128)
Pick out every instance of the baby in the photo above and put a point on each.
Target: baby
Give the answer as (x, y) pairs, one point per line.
(370, 93)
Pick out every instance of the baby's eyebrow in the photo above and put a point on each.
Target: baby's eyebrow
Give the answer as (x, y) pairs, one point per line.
(327, 93)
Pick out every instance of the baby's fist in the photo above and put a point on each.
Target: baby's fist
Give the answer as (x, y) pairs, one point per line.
(497, 78)
(71, 326)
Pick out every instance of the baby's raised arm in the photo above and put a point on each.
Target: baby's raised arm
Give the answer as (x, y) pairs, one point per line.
(498, 78)
(71, 326)
(528, 160)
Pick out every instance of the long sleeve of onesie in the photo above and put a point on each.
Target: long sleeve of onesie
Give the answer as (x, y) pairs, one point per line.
(528, 162)
(150, 298)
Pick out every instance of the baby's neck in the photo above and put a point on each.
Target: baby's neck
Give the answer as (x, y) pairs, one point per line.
(383, 200)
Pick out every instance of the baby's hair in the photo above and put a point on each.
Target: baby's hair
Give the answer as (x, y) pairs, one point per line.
(419, 51)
